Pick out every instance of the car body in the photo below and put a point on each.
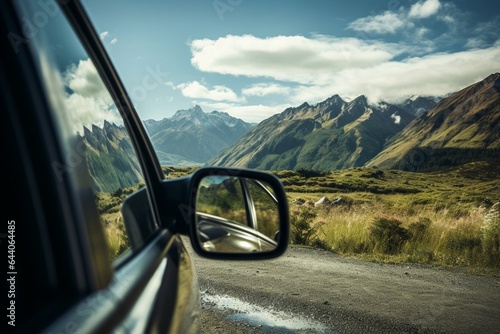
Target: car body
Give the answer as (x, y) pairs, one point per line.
(73, 191)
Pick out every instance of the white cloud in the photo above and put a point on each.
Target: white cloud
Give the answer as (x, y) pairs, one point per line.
(386, 23)
(88, 111)
(287, 58)
(89, 102)
(263, 89)
(432, 75)
(421, 32)
(84, 80)
(323, 66)
(474, 43)
(396, 118)
(424, 9)
(198, 91)
(113, 41)
(248, 113)
(104, 34)
(447, 19)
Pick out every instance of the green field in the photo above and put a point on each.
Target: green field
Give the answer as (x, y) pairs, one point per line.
(446, 218)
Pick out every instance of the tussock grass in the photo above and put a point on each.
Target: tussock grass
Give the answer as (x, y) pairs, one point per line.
(116, 235)
(378, 232)
(108, 206)
(447, 217)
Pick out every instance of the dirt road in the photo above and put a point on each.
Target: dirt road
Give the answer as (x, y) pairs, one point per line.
(314, 291)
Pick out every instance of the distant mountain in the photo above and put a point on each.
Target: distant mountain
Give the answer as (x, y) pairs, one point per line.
(417, 105)
(461, 128)
(111, 158)
(192, 137)
(333, 134)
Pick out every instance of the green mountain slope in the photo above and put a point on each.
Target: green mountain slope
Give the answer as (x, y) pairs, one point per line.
(461, 128)
(333, 134)
(111, 158)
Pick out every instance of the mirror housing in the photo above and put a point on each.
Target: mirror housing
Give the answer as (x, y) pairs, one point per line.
(258, 229)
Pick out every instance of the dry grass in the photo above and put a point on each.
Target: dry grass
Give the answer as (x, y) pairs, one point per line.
(446, 218)
(116, 236)
(425, 234)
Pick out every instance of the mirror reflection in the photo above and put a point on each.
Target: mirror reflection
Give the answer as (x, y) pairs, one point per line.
(236, 214)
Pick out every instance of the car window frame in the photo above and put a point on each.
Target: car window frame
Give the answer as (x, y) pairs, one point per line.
(153, 174)
(130, 276)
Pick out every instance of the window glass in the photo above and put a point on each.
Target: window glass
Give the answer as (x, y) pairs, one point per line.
(88, 122)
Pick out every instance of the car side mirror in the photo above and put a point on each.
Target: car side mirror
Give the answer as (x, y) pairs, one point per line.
(228, 213)
(238, 213)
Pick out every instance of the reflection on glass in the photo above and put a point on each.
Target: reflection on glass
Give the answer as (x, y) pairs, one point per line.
(222, 196)
(266, 209)
(89, 126)
(236, 215)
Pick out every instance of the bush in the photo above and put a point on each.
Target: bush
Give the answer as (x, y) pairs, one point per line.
(303, 230)
(318, 243)
(388, 235)
(310, 173)
(417, 229)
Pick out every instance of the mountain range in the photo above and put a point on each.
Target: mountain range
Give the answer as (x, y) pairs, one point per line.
(192, 137)
(111, 157)
(333, 134)
(461, 128)
(417, 105)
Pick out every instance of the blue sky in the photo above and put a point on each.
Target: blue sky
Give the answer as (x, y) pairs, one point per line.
(255, 58)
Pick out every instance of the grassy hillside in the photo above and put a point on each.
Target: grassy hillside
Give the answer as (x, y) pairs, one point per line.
(461, 187)
(467, 121)
(333, 134)
(445, 218)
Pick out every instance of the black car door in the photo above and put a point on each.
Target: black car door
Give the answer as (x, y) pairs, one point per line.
(93, 252)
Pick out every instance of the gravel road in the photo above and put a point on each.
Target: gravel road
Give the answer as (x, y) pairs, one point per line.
(315, 291)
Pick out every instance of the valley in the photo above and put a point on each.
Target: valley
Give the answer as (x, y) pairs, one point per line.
(396, 183)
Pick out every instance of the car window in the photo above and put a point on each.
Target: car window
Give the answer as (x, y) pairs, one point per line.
(90, 127)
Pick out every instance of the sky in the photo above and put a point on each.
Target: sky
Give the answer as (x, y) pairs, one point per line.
(255, 58)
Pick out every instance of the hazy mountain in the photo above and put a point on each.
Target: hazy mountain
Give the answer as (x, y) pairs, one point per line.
(191, 136)
(417, 105)
(461, 128)
(330, 135)
(111, 158)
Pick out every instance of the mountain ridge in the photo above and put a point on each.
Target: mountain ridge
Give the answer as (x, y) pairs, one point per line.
(331, 134)
(467, 119)
(191, 136)
(110, 157)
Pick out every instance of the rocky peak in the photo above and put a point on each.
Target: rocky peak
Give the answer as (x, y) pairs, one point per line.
(193, 112)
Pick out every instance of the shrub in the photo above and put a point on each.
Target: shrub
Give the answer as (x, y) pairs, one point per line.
(283, 174)
(299, 201)
(417, 229)
(303, 230)
(388, 235)
(321, 244)
(310, 173)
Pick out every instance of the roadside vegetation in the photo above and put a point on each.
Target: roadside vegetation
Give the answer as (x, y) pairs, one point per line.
(108, 207)
(448, 217)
